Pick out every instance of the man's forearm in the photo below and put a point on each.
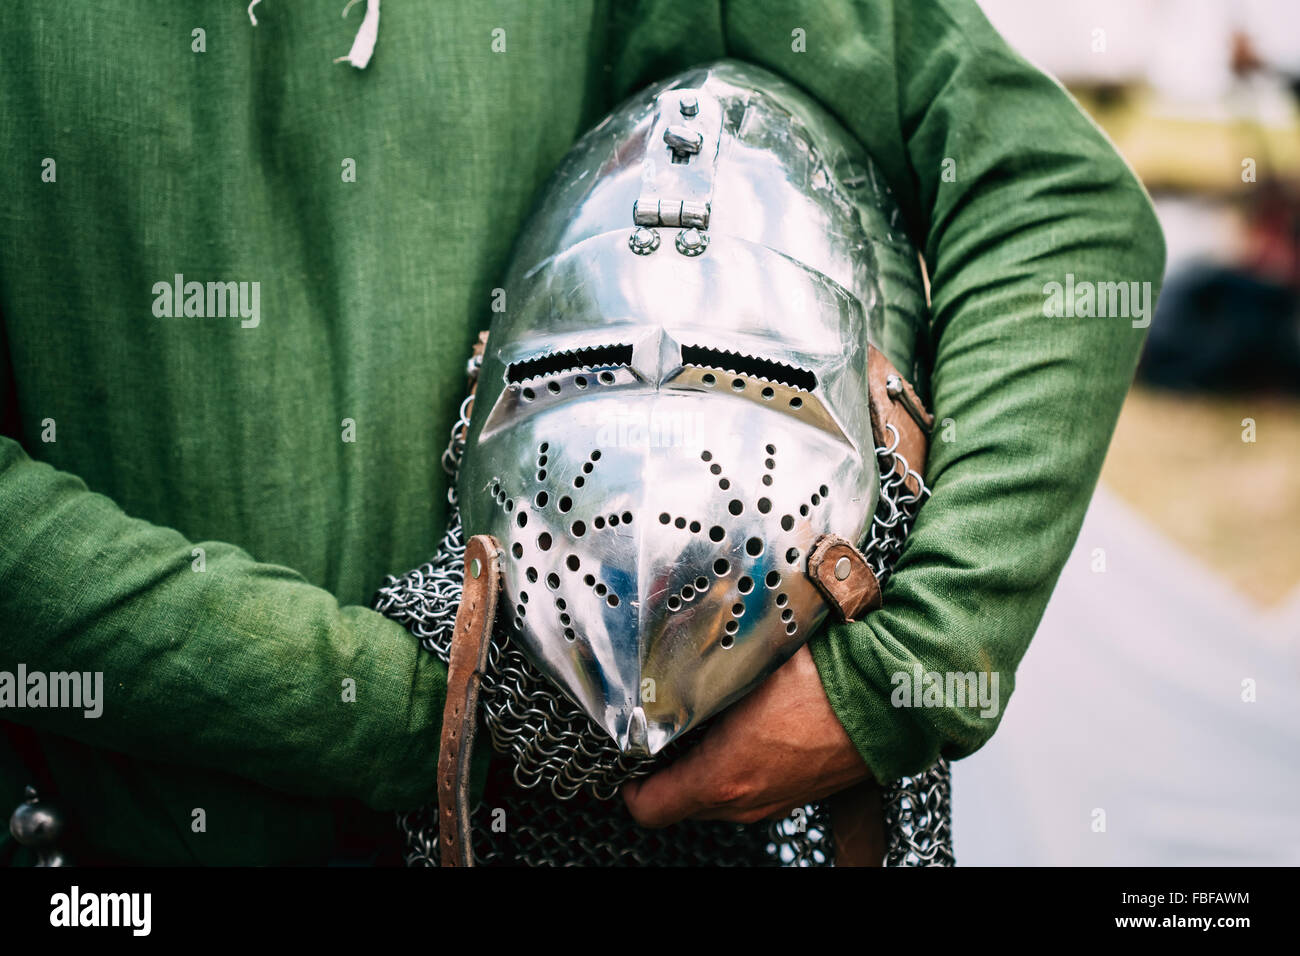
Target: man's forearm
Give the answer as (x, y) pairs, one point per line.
(208, 657)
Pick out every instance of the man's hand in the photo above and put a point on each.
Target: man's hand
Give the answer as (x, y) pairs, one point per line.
(776, 749)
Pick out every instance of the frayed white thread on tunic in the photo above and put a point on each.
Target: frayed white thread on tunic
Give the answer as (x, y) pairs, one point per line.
(363, 47)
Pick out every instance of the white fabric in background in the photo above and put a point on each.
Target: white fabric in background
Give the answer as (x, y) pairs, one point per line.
(1130, 700)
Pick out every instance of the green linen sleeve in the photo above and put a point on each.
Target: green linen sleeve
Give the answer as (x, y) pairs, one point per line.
(208, 657)
(1010, 189)
(1007, 188)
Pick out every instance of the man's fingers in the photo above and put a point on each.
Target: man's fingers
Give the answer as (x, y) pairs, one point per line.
(665, 797)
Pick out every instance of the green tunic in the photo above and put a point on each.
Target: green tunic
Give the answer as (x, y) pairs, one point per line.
(131, 439)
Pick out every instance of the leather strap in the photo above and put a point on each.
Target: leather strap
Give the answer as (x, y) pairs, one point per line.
(840, 572)
(469, 651)
(858, 825)
(838, 568)
(895, 402)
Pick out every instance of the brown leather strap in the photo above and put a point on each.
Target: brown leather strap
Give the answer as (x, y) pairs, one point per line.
(840, 572)
(895, 402)
(469, 652)
(858, 825)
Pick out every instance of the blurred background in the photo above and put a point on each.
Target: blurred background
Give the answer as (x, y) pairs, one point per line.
(1175, 629)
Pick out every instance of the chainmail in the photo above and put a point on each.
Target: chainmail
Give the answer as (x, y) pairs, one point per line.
(549, 742)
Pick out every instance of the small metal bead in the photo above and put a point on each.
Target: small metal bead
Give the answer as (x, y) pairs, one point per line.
(35, 824)
(691, 242)
(643, 241)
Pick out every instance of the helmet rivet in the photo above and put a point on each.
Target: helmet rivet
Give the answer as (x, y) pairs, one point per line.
(689, 105)
(842, 569)
(643, 241)
(691, 242)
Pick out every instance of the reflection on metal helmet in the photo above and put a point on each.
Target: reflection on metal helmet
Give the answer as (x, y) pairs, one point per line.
(673, 406)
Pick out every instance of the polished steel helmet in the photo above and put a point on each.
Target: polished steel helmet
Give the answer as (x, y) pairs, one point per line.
(673, 405)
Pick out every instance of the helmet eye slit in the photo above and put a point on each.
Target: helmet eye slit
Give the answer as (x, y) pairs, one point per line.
(751, 366)
(592, 359)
